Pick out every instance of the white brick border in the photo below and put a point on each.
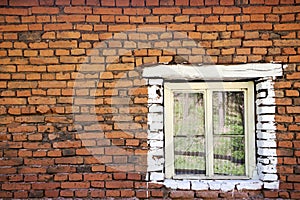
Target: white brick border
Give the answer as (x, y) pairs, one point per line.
(265, 128)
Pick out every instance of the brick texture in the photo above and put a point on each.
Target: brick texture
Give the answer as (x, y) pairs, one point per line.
(73, 106)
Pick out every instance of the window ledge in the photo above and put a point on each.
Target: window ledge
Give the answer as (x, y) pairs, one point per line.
(214, 72)
(223, 185)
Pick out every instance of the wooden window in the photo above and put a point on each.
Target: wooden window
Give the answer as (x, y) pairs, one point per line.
(210, 131)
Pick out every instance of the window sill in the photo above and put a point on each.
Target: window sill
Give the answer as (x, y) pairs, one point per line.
(203, 177)
(224, 185)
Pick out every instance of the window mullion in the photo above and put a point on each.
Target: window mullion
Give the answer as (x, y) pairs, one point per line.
(209, 133)
(169, 130)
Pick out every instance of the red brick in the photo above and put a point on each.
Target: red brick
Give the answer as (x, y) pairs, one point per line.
(13, 28)
(44, 10)
(257, 26)
(211, 28)
(15, 186)
(23, 3)
(257, 10)
(286, 9)
(182, 194)
(226, 10)
(119, 184)
(74, 185)
(166, 10)
(107, 11)
(57, 27)
(286, 27)
(78, 10)
(196, 2)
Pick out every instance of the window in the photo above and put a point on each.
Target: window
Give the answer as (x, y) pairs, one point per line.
(209, 130)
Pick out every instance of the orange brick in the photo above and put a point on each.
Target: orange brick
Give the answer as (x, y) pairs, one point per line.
(181, 27)
(286, 27)
(75, 185)
(70, 18)
(107, 11)
(286, 9)
(23, 3)
(13, 28)
(121, 28)
(12, 101)
(226, 43)
(122, 3)
(211, 28)
(198, 11)
(63, 44)
(226, 10)
(78, 9)
(84, 27)
(57, 27)
(14, 11)
(257, 10)
(92, 37)
(44, 10)
(166, 10)
(182, 2)
(257, 43)
(49, 60)
(257, 26)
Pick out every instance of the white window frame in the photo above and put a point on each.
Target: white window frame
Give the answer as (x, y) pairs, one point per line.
(208, 88)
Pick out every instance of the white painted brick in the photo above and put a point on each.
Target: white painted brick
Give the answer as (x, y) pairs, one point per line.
(184, 184)
(228, 185)
(266, 118)
(214, 185)
(156, 81)
(264, 85)
(265, 101)
(264, 161)
(261, 94)
(153, 151)
(271, 185)
(266, 152)
(266, 135)
(153, 97)
(156, 143)
(266, 126)
(199, 185)
(155, 136)
(268, 168)
(268, 177)
(273, 160)
(156, 126)
(155, 117)
(156, 108)
(250, 185)
(171, 183)
(266, 110)
(154, 176)
(266, 143)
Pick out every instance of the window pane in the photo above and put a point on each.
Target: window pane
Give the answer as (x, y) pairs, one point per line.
(188, 114)
(189, 155)
(189, 141)
(228, 130)
(228, 113)
(229, 155)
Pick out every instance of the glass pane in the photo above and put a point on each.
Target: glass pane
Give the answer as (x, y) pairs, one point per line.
(188, 114)
(189, 155)
(189, 141)
(228, 113)
(228, 130)
(229, 155)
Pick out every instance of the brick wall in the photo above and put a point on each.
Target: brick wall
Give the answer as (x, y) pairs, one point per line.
(73, 106)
